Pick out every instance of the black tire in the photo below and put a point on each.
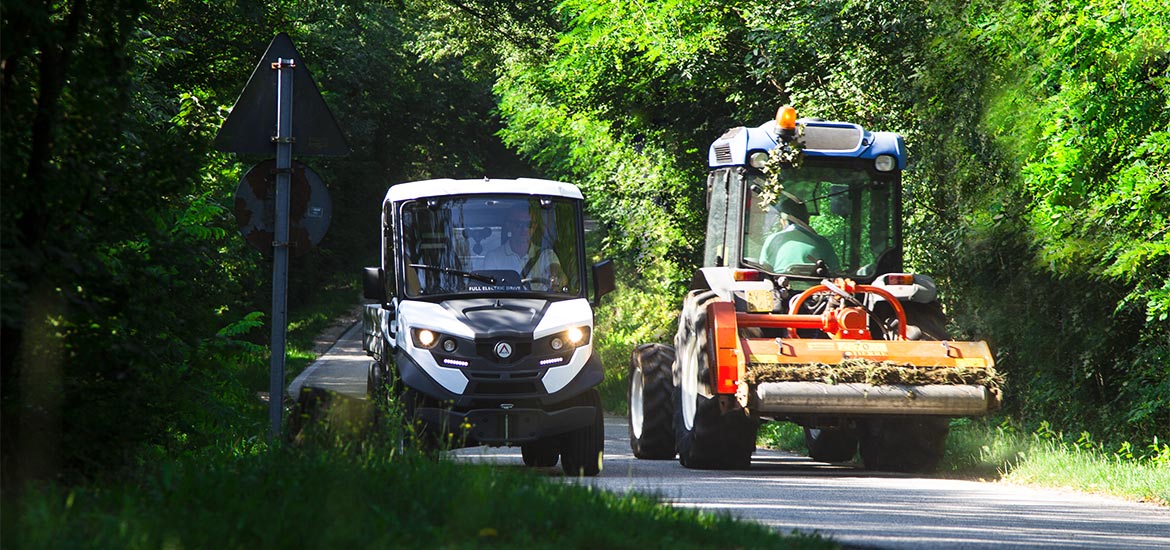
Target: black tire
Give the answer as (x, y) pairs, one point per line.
(542, 453)
(928, 319)
(651, 416)
(912, 444)
(709, 435)
(830, 445)
(582, 450)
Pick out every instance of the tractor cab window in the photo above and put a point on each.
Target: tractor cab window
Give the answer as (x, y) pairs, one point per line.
(831, 215)
(487, 244)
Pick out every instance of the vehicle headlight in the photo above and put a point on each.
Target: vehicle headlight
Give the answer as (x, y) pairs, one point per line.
(576, 335)
(885, 163)
(568, 339)
(424, 338)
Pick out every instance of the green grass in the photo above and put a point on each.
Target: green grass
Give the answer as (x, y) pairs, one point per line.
(984, 449)
(360, 491)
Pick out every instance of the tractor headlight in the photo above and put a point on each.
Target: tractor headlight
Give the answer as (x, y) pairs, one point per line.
(885, 163)
(758, 160)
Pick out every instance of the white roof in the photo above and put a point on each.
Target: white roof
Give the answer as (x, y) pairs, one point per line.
(444, 187)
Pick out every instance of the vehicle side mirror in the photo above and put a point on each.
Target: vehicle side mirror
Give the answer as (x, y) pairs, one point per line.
(603, 280)
(374, 284)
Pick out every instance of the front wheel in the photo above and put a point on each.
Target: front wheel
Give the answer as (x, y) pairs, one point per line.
(908, 443)
(581, 450)
(541, 453)
(711, 431)
(651, 414)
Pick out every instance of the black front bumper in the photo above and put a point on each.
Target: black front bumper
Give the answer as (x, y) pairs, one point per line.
(505, 426)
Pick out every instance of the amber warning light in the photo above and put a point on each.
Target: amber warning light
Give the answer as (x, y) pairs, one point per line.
(786, 122)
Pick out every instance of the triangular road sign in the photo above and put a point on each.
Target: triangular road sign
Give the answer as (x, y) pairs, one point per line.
(252, 123)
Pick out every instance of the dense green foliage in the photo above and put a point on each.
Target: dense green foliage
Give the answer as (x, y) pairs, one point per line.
(1038, 194)
(121, 262)
(1039, 180)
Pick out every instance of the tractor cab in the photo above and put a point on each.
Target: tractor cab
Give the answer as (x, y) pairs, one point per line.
(836, 211)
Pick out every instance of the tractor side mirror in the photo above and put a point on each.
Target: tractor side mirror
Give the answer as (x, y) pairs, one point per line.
(374, 284)
(603, 280)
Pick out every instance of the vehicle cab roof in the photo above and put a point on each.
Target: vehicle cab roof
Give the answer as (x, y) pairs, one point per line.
(821, 138)
(452, 187)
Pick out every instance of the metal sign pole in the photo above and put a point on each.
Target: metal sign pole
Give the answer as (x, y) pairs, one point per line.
(248, 131)
(284, 141)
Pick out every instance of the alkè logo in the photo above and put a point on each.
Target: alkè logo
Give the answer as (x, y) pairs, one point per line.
(503, 350)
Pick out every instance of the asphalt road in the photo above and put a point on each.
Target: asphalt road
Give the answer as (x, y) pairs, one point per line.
(860, 509)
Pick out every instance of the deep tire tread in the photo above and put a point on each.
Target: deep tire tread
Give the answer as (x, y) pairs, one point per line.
(652, 362)
(719, 439)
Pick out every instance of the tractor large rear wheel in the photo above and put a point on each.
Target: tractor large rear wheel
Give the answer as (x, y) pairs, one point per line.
(711, 431)
(913, 444)
(830, 445)
(651, 416)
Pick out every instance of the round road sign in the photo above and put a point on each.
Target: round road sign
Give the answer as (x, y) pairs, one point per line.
(310, 207)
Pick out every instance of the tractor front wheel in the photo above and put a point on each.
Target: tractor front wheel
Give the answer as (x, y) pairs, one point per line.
(651, 414)
(709, 434)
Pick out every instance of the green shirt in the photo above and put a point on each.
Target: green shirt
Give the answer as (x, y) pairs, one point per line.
(795, 245)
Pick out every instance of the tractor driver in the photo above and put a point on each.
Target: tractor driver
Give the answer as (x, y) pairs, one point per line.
(522, 252)
(797, 242)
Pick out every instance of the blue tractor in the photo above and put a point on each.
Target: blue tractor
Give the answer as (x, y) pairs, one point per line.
(803, 312)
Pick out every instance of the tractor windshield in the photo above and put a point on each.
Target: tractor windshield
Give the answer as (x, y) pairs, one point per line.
(839, 216)
(490, 244)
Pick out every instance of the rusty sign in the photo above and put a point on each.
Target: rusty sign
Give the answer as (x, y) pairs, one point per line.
(310, 207)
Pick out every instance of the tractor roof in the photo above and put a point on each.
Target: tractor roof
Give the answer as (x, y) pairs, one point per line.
(820, 139)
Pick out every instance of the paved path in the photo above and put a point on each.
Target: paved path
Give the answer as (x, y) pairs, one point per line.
(342, 369)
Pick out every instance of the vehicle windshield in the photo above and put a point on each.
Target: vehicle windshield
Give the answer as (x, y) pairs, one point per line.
(490, 243)
(834, 214)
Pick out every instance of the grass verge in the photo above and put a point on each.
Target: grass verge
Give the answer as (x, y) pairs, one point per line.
(985, 449)
(982, 447)
(360, 491)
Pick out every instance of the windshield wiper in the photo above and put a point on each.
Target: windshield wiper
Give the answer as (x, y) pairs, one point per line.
(464, 274)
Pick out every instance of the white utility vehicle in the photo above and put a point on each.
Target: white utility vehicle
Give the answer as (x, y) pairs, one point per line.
(483, 327)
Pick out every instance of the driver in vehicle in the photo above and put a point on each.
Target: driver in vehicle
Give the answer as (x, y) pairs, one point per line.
(522, 251)
(797, 243)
